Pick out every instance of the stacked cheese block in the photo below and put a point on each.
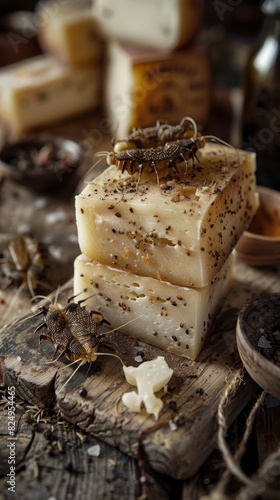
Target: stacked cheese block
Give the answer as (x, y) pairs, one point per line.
(156, 67)
(64, 81)
(160, 255)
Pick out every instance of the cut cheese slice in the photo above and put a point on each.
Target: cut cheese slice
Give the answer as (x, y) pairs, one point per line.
(69, 31)
(174, 318)
(142, 87)
(159, 24)
(149, 377)
(181, 230)
(40, 91)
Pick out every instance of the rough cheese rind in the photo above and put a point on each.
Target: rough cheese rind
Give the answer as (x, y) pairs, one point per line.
(40, 91)
(181, 231)
(174, 318)
(158, 24)
(69, 31)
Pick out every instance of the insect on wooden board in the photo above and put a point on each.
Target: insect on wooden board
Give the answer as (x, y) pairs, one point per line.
(23, 262)
(72, 329)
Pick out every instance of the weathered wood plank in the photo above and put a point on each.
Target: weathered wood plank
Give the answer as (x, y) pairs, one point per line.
(181, 440)
(52, 460)
(268, 437)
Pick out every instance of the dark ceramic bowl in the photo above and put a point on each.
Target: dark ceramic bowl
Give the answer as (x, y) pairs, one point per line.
(258, 341)
(41, 163)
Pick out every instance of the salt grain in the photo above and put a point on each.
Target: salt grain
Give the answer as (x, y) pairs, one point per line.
(23, 229)
(73, 238)
(172, 425)
(58, 215)
(56, 252)
(264, 343)
(40, 203)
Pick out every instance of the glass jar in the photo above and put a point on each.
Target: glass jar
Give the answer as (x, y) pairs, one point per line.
(261, 110)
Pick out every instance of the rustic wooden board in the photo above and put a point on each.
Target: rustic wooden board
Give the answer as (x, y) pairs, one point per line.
(53, 461)
(184, 435)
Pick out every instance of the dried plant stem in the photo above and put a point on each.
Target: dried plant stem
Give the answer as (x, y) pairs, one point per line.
(232, 460)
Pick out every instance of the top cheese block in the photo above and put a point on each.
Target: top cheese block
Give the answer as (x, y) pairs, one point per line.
(180, 229)
(158, 24)
(69, 31)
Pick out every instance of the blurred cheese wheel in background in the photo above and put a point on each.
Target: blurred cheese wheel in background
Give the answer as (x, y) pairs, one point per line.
(158, 24)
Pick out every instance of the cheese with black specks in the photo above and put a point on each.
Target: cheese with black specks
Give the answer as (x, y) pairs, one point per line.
(181, 230)
(175, 318)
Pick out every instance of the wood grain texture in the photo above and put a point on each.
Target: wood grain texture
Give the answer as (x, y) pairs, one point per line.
(181, 440)
(52, 461)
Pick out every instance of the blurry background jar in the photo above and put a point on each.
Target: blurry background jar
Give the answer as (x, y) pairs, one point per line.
(261, 111)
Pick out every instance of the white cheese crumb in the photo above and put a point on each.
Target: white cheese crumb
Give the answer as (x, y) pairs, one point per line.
(138, 358)
(149, 377)
(172, 425)
(94, 451)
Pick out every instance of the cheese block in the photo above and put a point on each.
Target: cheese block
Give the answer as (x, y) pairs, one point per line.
(40, 91)
(69, 31)
(181, 229)
(142, 87)
(174, 318)
(159, 24)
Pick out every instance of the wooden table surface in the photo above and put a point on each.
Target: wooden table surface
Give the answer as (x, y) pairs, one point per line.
(56, 458)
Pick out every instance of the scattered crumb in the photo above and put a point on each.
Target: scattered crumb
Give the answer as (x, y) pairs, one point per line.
(264, 343)
(59, 215)
(40, 203)
(94, 451)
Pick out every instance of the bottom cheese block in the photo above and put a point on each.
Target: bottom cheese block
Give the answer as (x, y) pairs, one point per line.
(175, 318)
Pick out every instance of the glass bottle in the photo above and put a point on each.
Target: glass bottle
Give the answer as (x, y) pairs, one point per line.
(261, 110)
